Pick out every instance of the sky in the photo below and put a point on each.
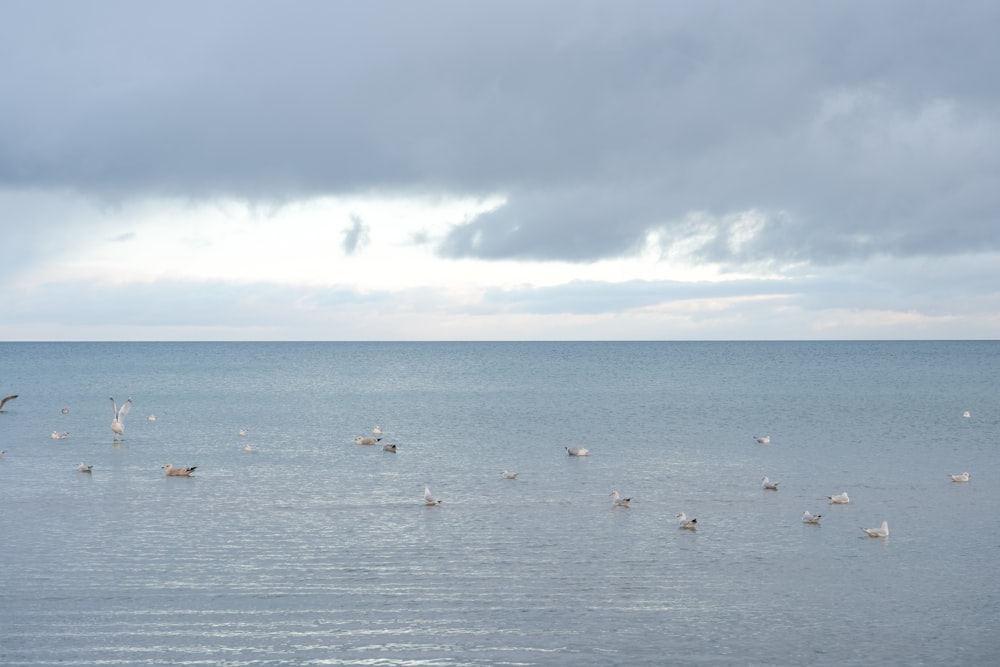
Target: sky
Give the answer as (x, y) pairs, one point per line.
(499, 170)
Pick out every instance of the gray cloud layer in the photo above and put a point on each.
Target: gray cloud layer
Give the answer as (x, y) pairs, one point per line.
(854, 129)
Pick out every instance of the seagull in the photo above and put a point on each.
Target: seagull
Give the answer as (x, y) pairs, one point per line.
(243, 431)
(377, 430)
(82, 467)
(2, 452)
(59, 435)
(768, 484)
(65, 411)
(966, 414)
(763, 439)
(684, 522)
(249, 448)
(577, 451)
(839, 499)
(118, 423)
(619, 501)
(178, 472)
(811, 518)
(878, 532)
(964, 477)
(3, 401)
(428, 498)
(389, 447)
(151, 418)
(365, 441)
(508, 475)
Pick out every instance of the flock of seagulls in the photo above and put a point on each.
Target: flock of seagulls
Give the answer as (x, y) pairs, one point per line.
(683, 522)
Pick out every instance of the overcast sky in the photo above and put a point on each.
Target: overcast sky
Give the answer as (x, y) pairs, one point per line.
(503, 170)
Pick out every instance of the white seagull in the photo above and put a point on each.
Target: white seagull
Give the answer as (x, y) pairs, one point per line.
(763, 439)
(768, 484)
(428, 498)
(839, 499)
(4, 400)
(365, 441)
(59, 435)
(82, 467)
(377, 430)
(118, 423)
(684, 522)
(619, 501)
(964, 477)
(178, 472)
(508, 475)
(966, 414)
(808, 517)
(243, 431)
(883, 531)
(389, 447)
(577, 451)
(249, 448)
(151, 418)
(65, 411)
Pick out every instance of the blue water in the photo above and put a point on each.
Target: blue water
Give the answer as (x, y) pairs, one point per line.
(313, 550)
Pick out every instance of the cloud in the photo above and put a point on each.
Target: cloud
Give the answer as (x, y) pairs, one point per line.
(356, 236)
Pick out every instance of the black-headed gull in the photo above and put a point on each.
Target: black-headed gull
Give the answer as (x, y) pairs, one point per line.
(428, 498)
(59, 435)
(179, 472)
(82, 467)
(964, 477)
(118, 423)
(377, 430)
(882, 531)
(508, 475)
(768, 484)
(389, 447)
(684, 522)
(4, 400)
(577, 451)
(809, 517)
(365, 441)
(619, 501)
(763, 439)
(839, 499)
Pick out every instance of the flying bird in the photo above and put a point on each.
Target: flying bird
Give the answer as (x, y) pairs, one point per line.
(839, 499)
(883, 531)
(428, 498)
(768, 484)
(577, 451)
(684, 522)
(808, 517)
(82, 467)
(964, 477)
(3, 401)
(118, 423)
(763, 439)
(59, 435)
(619, 501)
(179, 472)
(508, 475)
(365, 441)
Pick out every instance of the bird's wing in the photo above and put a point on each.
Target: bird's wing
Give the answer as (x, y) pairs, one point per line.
(124, 409)
(7, 398)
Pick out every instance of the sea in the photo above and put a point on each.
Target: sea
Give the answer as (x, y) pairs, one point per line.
(293, 545)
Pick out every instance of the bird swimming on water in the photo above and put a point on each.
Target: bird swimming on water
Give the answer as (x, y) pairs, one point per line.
(428, 498)
(577, 451)
(687, 524)
(178, 472)
(619, 501)
(118, 423)
(809, 517)
(882, 531)
(768, 485)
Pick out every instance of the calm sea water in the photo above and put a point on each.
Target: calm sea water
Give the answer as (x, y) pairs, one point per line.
(313, 550)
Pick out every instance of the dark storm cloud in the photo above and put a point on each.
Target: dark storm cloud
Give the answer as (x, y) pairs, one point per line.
(854, 129)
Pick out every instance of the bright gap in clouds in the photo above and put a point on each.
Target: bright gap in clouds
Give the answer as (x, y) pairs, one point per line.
(366, 244)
